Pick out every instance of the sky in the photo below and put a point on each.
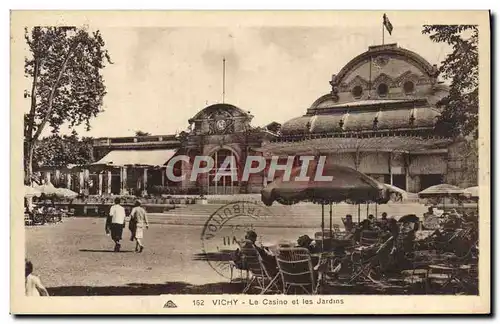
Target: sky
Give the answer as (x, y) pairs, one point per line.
(162, 76)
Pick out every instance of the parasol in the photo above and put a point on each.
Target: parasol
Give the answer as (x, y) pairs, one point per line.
(47, 189)
(66, 193)
(472, 192)
(31, 192)
(397, 191)
(441, 191)
(345, 185)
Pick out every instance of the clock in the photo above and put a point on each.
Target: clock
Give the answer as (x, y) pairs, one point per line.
(221, 124)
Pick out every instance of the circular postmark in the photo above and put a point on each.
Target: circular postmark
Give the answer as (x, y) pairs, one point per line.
(225, 228)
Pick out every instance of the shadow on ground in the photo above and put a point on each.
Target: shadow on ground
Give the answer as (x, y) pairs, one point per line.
(223, 255)
(183, 288)
(104, 251)
(135, 289)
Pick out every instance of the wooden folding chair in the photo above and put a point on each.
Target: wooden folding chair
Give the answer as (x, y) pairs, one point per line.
(367, 260)
(241, 267)
(264, 277)
(27, 220)
(296, 270)
(368, 238)
(461, 278)
(233, 267)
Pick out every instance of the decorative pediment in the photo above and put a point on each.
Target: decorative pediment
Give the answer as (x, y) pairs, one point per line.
(406, 76)
(382, 78)
(220, 114)
(221, 126)
(379, 62)
(356, 81)
(222, 110)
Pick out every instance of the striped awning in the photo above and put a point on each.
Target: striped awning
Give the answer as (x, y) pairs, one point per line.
(136, 158)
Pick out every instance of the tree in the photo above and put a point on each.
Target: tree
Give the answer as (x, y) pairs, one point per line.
(461, 106)
(60, 151)
(141, 133)
(64, 65)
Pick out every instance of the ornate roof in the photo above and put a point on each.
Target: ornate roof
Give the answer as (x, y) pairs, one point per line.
(221, 108)
(359, 120)
(352, 144)
(391, 50)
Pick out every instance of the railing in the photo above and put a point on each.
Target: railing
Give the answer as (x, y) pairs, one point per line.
(135, 140)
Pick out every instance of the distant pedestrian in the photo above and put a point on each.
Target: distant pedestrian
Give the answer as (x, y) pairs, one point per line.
(115, 223)
(33, 284)
(139, 218)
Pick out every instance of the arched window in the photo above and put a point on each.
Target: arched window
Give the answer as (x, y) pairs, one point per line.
(357, 92)
(409, 87)
(382, 90)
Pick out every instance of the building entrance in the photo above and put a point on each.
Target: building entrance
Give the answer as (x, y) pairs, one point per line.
(227, 183)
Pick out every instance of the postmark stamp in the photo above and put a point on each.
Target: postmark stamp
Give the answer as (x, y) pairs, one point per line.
(225, 228)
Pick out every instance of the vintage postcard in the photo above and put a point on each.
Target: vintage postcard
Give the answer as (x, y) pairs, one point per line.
(281, 162)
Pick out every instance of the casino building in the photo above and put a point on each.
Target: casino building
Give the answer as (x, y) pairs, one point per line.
(377, 116)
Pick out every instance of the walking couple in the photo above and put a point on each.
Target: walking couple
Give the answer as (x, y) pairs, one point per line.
(115, 224)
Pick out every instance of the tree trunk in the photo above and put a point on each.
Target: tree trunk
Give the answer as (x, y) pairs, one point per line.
(34, 138)
(29, 163)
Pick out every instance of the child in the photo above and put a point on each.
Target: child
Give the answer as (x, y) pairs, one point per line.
(34, 285)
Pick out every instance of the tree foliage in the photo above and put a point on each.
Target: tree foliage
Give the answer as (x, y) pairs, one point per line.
(141, 133)
(67, 87)
(461, 67)
(60, 151)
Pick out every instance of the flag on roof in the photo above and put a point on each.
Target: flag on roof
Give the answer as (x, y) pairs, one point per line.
(387, 24)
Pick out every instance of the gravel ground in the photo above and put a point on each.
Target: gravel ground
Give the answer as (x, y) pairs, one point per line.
(75, 257)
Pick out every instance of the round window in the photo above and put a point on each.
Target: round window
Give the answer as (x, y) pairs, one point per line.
(357, 92)
(382, 89)
(408, 87)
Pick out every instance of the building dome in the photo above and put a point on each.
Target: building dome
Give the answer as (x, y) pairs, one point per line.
(384, 88)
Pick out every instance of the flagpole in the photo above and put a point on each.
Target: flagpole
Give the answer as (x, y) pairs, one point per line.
(383, 32)
(370, 79)
(223, 79)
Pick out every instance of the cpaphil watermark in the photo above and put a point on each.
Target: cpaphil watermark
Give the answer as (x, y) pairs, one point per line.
(225, 228)
(253, 165)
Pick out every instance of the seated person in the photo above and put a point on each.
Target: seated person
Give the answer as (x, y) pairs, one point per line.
(371, 218)
(382, 223)
(391, 229)
(451, 222)
(306, 242)
(364, 226)
(430, 212)
(267, 256)
(348, 223)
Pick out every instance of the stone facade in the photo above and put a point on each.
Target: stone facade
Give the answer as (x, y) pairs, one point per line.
(378, 118)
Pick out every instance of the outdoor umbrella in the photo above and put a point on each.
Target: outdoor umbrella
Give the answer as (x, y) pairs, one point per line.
(397, 191)
(65, 193)
(47, 189)
(442, 191)
(472, 192)
(346, 185)
(31, 192)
